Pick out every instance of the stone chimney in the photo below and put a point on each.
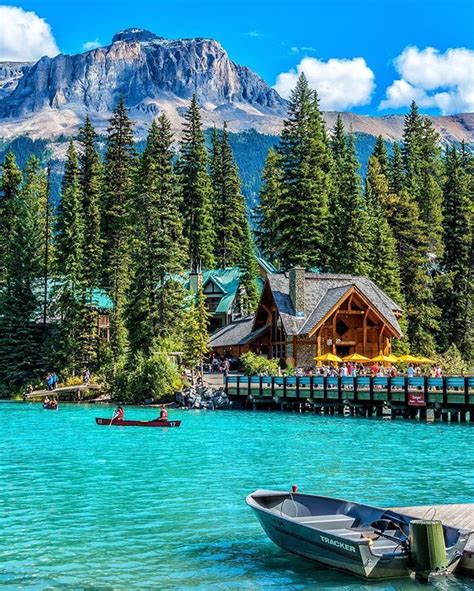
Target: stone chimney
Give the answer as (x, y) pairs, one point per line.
(297, 280)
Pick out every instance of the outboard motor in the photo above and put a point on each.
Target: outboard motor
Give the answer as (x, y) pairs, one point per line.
(428, 548)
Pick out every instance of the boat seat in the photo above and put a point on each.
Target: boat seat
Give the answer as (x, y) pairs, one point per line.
(326, 522)
(350, 534)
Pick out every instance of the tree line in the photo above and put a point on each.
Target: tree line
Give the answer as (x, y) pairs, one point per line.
(131, 225)
(408, 225)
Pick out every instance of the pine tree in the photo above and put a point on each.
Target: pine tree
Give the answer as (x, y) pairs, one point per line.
(69, 228)
(75, 336)
(396, 172)
(35, 187)
(196, 188)
(120, 164)
(380, 152)
(348, 235)
(417, 284)
(267, 210)
(21, 335)
(156, 299)
(248, 296)
(196, 340)
(422, 161)
(306, 182)
(90, 181)
(230, 218)
(10, 187)
(456, 287)
(384, 268)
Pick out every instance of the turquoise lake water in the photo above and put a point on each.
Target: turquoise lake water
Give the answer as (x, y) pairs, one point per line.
(99, 508)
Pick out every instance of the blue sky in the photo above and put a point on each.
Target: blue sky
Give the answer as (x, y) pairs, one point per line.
(282, 38)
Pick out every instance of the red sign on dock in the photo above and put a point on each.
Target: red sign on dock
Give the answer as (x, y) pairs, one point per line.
(416, 399)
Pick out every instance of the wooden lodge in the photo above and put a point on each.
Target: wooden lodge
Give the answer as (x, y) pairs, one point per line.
(302, 315)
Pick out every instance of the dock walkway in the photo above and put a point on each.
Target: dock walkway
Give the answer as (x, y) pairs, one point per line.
(62, 390)
(461, 515)
(443, 398)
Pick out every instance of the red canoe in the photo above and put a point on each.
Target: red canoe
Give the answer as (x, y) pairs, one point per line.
(117, 423)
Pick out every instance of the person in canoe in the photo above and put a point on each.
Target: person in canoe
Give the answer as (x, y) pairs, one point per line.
(163, 414)
(119, 414)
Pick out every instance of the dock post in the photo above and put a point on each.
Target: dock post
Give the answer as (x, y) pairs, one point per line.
(430, 415)
(448, 416)
(468, 416)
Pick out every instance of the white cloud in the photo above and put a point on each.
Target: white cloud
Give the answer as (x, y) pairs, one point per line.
(302, 49)
(340, 83)
(24, 36)
(88, 45)
(433, 79)
(254, 33)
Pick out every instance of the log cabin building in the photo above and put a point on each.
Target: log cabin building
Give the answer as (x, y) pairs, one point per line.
(302, 315)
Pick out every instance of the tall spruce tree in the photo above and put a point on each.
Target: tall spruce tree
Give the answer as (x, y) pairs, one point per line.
(196, 190)
(75, 336)
(196, 340)
(10, 187)
(248, 295)
(90, 181)
(306, 164)
(267, 210)
(21, 335)
(417, 284)
(118, 188)
(422, 161)
(457, 284)
(380, 152)
(348, 231)
(230, 219)
(156, 301)
(396, 174)
(384, 267)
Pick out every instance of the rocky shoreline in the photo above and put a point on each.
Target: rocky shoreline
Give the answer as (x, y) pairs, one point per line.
(203, 397)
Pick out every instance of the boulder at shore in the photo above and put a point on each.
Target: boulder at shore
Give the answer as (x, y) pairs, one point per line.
(203, 397)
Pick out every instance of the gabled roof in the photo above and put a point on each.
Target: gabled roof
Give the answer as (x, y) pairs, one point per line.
(238, 332)
(228, 280)
(322, 292)
(328, 301)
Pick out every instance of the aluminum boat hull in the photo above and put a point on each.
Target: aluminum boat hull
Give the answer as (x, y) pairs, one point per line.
(355, 555)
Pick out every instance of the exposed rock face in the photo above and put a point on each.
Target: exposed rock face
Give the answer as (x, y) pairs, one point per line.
(10, 74)
(155, 75)
(151, 73)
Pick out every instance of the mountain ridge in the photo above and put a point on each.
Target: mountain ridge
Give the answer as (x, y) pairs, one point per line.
(51, 97)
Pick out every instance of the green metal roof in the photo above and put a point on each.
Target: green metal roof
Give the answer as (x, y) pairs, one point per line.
(228, 281)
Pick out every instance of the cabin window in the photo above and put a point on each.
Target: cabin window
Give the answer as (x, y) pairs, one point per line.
(341, 328)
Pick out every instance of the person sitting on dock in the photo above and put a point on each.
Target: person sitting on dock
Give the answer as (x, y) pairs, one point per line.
(163, 413)
(119, 414)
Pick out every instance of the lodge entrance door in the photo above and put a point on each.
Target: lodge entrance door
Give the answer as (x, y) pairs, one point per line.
(343, 350)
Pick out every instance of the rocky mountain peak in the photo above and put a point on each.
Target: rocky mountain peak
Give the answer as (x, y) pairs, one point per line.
(135, 34)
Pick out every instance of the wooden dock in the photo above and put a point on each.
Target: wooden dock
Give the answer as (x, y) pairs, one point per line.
(456, 515)
(447, 398)
(63, 390)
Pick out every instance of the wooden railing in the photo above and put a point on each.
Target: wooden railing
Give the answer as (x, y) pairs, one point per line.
(416, 391)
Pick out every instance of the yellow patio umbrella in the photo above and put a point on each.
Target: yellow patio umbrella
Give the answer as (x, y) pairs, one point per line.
(408, 359)
(356, 357)
(382, 359)
(392, 358)
(329, 357)
(425, 360)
